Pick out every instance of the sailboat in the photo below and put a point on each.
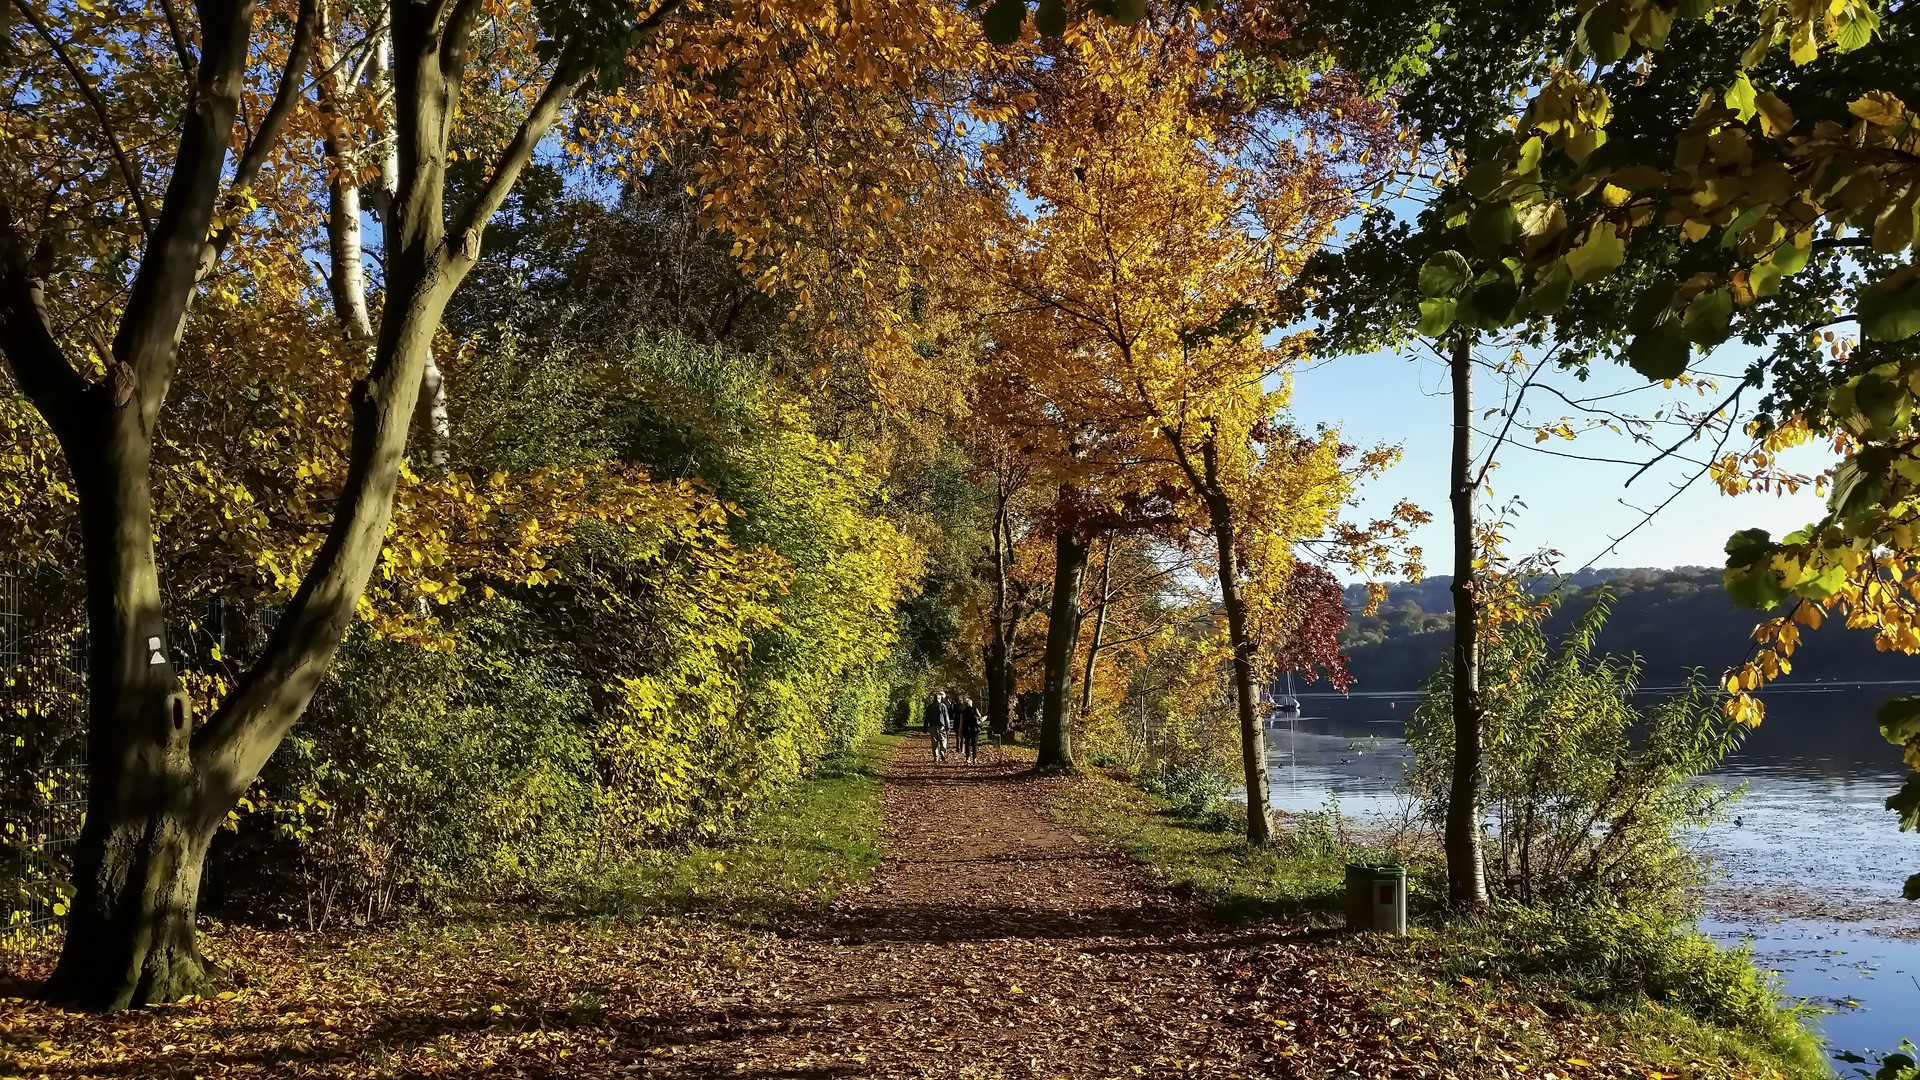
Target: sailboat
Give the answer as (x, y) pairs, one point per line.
(1288, 704)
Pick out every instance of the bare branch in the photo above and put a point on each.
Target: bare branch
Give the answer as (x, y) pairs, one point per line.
(34, 355)
(284, 97)
(180, 47)
(99, 106)
(519, 151)
(1692, 434)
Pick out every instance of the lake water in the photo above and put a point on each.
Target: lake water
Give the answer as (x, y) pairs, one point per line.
(1811, 862)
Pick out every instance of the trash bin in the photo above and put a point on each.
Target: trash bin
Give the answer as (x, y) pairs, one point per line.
(1377, 898)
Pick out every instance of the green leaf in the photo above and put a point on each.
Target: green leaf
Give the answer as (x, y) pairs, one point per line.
(1857, 24)
(1740, 97)
(1750, 579)
(1436, 314)
(1002, 21)
(1653, 306)
(1581, 146)
(1483, 178)
(1554, 290)
(1882, 399)
(1899, 719)
(1129, 12)
(1888, 316)
(1823, 584)
(1764, 279)
(1893, 225)
(1709, 317)
(1050, 19)
(1660, 353)
(1443, 274)
(1602, 36)
(1912, 890)
(1598, 257)
(1857, 486)
(1756, 587)
(1694, 9)
(1738, 226)
(1790, 259)
(1529, 156)
(1498, 303)
(1906, 803)
(1491, 227)
(1747, 546)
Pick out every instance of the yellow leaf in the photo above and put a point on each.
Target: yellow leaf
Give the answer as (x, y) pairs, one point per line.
(1776, 118)
(1878, 107)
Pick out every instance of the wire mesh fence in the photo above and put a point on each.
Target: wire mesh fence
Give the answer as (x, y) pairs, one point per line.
(43, 703)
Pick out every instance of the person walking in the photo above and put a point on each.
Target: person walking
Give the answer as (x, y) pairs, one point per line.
(937, 722)
(970, 721)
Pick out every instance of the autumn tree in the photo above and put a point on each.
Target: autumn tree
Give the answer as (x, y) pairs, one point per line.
(118, 207)
(1677, 176)
(1136, 294)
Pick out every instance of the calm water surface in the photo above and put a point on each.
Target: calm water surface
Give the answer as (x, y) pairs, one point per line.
(1811, 862)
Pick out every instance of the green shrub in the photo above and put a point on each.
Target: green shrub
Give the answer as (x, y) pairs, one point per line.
(1191, 789)
(419, 775)
(1587, 790)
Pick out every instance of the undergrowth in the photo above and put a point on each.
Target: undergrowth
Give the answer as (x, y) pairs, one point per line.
(799, 850)
(1659, 985)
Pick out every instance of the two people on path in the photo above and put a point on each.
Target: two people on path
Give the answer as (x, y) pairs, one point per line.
(962, 719)
(970, 730)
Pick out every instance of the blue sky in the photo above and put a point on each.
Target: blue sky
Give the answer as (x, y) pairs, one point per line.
(1575, 507)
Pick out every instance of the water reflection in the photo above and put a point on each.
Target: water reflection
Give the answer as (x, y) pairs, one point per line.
(1810, 865)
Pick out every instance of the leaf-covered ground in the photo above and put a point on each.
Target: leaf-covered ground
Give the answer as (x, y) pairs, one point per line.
(991, 942)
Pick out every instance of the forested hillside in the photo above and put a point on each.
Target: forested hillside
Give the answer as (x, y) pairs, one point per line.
(1673, 620)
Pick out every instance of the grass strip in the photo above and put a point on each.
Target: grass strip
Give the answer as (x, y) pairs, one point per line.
(1671, 996)
(798, 851)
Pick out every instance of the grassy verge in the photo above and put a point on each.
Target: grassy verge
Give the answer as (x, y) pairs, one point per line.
(1673, 997)
(798, 851)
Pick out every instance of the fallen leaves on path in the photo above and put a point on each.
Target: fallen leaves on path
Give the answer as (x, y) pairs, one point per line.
(992, 943)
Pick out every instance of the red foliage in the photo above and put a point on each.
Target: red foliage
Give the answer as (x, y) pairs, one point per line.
(1319, 610)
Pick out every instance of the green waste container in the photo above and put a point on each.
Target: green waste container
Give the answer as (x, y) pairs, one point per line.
(1377, 898)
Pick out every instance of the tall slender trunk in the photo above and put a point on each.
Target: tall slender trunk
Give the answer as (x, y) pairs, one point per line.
(996, 682)
(345, 232)
(1099, 627)
(999, 651)
(1466, 869)
(1253, 738)
(1063, 629)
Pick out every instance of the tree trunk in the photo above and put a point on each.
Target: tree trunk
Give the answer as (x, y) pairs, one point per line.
(996, 685)
(999, 651)
(1466, 870)
(1253, 738)
(433, 391)
(159, 787)
(1099, 628)
(130, 934)
(1063, 628)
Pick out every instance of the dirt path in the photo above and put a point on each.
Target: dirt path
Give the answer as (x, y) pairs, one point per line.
(990, 943)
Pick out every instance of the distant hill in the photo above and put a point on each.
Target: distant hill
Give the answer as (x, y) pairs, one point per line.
(1674, 619)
